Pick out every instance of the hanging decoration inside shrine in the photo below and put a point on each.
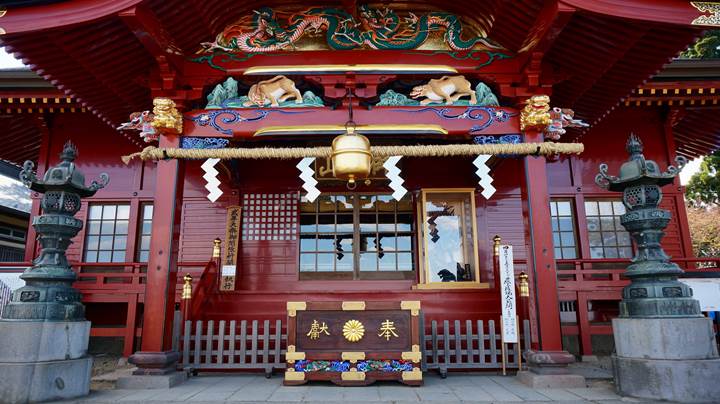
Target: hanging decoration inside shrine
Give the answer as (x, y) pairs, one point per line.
(483, 171)
(212, 181)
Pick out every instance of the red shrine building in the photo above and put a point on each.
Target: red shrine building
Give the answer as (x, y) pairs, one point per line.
(225, 113)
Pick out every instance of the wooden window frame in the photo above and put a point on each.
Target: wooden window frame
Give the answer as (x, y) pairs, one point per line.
(114, 234)
(573, 218)
(356, 273)
(422, 246)
(618, 247)
(139, 232)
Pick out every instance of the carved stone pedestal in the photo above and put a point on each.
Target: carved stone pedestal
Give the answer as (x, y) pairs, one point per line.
(44, 360)
(548, 369)
(671, 359)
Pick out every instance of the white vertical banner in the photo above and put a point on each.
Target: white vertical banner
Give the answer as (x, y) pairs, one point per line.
(507, 296)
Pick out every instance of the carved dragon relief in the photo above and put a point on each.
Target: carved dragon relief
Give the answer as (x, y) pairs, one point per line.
(375, 28)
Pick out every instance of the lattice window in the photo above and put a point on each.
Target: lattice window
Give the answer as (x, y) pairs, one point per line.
(144, 233)
(563, 229)
(356, 236)
(607, 237)
(271, 217)
(106, 234)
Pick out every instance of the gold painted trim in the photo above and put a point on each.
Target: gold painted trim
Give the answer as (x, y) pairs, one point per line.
(292, 375)
(353, 356)
(412, 305)
(348, 306)
(294, 307)
(453, 285)
(707, 7)
(394, 129)
(291, 356)
(415, 374)
(353, 375)
(423, 214)
(414, 356)
(361, 68)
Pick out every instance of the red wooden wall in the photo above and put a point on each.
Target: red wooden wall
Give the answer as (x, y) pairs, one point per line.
(268, 269)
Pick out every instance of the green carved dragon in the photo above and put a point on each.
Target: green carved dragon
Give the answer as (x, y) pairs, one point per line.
(376, 29)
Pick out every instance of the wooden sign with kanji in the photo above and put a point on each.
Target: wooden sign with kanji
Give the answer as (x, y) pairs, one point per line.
(353, 343)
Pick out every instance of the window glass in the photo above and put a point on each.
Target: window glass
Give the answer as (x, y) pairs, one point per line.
(143, 248)
(449, 237)
(606, 236)
(355, 236)
(563, 228)
(106, 233)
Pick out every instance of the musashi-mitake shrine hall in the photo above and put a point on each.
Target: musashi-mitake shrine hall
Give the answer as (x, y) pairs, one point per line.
(352, 191)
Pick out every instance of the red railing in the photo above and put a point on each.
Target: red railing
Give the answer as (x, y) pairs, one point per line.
(589, 290)
(119, 282)
(609, 272)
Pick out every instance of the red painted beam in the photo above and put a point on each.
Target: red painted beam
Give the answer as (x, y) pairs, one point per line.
(541, 257)
(151, 33)
(450, 118)
(162, 264)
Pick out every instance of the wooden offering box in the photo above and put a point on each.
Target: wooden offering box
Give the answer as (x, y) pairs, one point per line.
(353, 343)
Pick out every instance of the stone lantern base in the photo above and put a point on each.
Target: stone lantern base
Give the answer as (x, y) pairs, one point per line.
(672, 359)
(44, 360)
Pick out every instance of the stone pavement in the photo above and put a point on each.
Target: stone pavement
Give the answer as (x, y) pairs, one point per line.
(466, 388)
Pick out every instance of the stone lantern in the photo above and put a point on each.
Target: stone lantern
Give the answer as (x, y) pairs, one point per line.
(665, 348)
(43, 329)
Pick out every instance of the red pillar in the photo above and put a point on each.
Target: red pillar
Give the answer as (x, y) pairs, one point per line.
(155, 355)
(541, 257)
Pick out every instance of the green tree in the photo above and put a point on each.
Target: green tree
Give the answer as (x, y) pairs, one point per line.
(704, 230)
(704, 186)
(707, 47)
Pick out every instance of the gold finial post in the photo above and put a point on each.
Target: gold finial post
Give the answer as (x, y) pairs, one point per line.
(187, 287)
(523, 284)
(496, 245)
(216, 248)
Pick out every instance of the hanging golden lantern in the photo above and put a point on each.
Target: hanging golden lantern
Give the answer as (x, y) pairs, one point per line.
(351, 158)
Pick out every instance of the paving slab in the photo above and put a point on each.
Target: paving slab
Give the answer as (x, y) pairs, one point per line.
(465, 388)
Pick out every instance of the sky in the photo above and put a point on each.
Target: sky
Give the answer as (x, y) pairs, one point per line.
(7, 61)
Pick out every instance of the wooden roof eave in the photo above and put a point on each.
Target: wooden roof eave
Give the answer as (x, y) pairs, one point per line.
(657, 11)
(62, 14)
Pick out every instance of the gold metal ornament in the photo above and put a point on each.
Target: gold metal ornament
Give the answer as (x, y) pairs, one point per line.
(523, 284)
(216, 248)
(187, 287)
(711, 16)
(351, 158)
(167, 119)
(353, 330)
(536, 114)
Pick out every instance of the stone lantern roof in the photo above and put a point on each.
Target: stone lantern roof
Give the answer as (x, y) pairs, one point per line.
(62, 177)
(637, 170)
